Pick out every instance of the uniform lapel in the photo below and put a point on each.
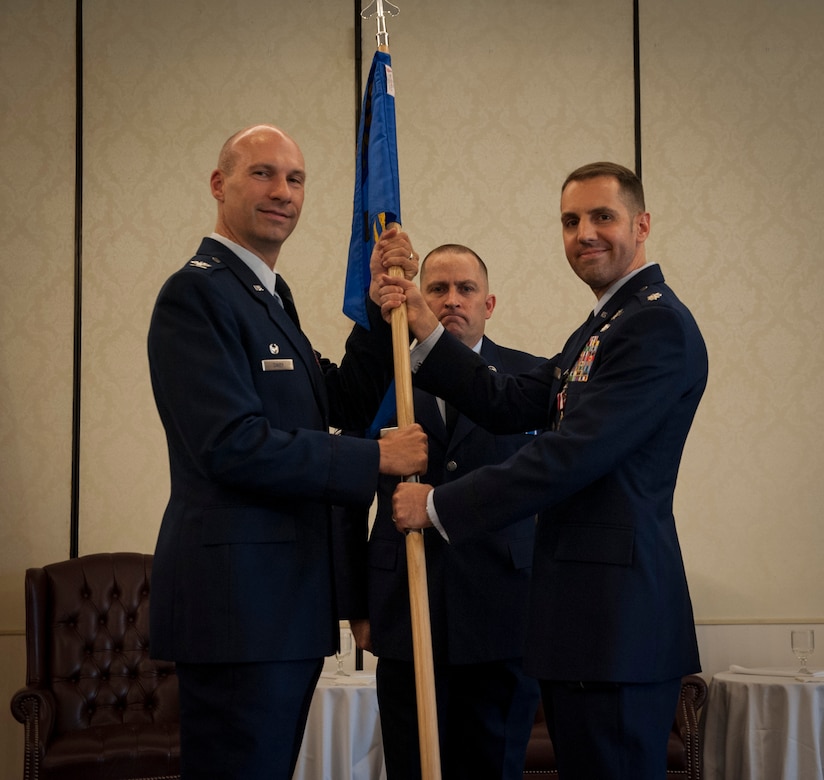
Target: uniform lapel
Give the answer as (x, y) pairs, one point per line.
(285, 293)
(463, 425)
(579, 351)
(429, 416)
(579, 339)
(287, 322)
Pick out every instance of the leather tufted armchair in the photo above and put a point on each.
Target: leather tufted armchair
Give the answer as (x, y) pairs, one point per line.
(95, 705)
(683, 750)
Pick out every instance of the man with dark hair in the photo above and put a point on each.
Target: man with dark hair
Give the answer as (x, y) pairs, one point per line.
(611, 629)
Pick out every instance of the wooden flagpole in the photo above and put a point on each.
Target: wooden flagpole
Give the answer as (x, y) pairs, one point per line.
(428, 738)
(416, 568)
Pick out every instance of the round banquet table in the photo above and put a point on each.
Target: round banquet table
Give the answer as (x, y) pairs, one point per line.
(767, 725)
(342, 740)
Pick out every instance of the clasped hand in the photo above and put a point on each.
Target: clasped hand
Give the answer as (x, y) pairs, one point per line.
(409, 506)
(392, 249)
(393, 292)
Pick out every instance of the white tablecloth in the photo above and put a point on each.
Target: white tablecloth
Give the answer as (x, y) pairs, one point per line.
(764, 727)
(343, 733)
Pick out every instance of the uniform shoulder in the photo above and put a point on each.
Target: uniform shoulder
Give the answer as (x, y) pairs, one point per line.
(657, 304)
(195, 274)
(204, 264)
(658, 296)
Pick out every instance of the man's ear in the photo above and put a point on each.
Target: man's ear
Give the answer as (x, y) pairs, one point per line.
(216, 181)
(643, 223)
(491, 300)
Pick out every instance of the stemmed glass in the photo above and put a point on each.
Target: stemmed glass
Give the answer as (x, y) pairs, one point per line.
(803, 645)
(344, 650)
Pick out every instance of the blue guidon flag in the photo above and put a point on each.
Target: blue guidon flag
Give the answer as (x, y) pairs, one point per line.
(377, 200)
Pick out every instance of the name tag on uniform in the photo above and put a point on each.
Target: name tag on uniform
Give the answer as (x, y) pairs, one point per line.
(286, 364)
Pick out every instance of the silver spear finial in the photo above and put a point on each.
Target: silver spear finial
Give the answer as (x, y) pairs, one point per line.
(380, 9)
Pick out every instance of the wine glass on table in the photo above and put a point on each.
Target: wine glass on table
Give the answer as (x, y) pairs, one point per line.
(803, 645)
(344, 650)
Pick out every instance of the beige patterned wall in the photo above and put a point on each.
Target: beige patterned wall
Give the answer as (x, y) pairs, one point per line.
(36, 225)
(734, 168)
(495, 106)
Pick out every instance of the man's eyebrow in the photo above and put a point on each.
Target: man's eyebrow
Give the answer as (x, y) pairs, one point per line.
(457, 282)
(273, 167)
(595, 210)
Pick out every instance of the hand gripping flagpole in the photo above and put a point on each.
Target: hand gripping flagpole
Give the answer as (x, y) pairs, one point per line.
(415, 553)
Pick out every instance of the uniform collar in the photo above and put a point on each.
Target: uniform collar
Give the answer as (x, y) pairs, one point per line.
(604, 299)
(268, 277)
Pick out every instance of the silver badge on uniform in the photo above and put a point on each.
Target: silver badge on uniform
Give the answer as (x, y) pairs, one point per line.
(285, 364)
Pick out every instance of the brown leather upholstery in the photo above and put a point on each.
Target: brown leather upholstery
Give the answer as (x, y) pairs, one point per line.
(683, 750)
(95, 705)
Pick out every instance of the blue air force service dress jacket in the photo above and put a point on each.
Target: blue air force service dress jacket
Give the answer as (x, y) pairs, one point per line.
(479, 585)
(242, 568)
(609, 599)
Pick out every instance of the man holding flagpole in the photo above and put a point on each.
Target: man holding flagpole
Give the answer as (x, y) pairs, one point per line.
(242, 592)
(611, 629)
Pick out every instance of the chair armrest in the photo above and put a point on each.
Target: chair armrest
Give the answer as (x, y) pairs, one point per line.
(696, 686)
(35, 709)
(692, 698)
